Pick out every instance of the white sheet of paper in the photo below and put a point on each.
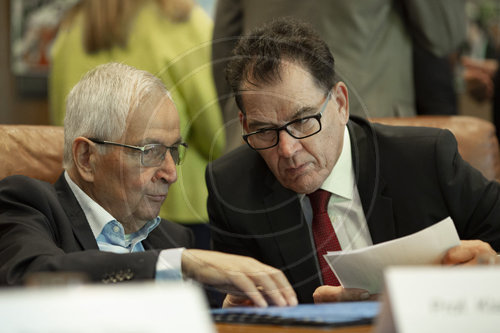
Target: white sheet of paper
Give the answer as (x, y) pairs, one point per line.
(364, 268)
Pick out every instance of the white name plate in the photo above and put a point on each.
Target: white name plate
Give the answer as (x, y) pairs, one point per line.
(134, 307)
(441, 299)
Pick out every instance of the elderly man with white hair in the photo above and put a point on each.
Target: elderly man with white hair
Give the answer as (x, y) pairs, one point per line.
(122, 143)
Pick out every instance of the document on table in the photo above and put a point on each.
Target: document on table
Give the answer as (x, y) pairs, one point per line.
(324, 315)
(364, 268)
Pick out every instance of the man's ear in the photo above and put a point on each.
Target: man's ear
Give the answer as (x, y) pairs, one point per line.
(243, 121)
(342, 98)
(84, 157)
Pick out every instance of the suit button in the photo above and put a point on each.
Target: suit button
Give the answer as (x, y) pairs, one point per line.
(128, 274)
(120, 276)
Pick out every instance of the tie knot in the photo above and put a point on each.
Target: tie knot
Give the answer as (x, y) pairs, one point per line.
(319, 200)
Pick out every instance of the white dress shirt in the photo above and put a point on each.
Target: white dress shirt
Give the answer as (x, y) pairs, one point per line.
(344, 208)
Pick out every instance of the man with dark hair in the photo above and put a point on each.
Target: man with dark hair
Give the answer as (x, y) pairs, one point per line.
(372, 42)
(311, 179)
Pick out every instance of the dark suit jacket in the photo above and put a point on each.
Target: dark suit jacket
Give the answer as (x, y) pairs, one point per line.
(43, 228)
(408, 178)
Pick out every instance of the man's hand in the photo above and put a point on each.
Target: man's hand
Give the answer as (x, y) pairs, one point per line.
(244, 277)
(467, 253)
(479, 76)
(326, 294)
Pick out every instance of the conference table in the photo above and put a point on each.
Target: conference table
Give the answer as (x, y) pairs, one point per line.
(244, 328)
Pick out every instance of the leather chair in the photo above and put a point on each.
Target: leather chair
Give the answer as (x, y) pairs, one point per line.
(477, 141)
(34, 151)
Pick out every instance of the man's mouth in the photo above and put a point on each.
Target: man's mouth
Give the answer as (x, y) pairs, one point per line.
(157, 197)
(297, 170)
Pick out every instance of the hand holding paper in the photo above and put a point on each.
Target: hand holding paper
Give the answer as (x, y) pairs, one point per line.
(469, 252)
(363, 268)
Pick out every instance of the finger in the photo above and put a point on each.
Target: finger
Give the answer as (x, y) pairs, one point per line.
(457, 255)
(285, 288)
(467, 252)
(248, 287)
(353, 294)
(273, 285)
(487, 259)
(232, 300)
(267, 286)
(339, 294)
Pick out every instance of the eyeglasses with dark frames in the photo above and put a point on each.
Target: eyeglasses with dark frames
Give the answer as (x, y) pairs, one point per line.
(301, 128)
(153, 154)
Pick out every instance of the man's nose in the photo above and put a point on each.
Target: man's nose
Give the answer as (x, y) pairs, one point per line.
(167, 170)
(287, 145)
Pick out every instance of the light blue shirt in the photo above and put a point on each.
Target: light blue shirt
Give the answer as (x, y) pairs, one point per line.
(110, 235)
(113, 238)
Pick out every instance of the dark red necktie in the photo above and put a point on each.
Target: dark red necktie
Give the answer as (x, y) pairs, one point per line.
(323, 233)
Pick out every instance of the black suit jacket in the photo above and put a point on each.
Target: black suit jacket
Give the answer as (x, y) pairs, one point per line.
(408, 178)
(43, 228)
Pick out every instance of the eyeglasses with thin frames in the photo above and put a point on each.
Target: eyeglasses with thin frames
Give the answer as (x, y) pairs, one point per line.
(153, 154)
(301, 128)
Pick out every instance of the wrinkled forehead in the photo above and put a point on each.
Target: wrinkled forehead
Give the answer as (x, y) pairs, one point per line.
(155, 116)
(270, 110)
(262, 72)
(290, 80)
(295, 88)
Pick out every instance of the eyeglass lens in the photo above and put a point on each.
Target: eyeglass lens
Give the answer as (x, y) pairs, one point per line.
(153, 155)
(299, 129)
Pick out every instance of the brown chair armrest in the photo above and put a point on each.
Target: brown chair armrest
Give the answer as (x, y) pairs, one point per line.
(477, 141)
(34, 151)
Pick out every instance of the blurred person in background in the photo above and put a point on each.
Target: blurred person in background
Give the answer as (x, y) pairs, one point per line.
(372, 41)
(481, 54)
(171, 39)
(496, 98)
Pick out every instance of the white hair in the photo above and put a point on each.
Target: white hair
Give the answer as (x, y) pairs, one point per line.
(98, 105)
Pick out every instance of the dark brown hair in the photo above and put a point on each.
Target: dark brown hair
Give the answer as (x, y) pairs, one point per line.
(257, 57)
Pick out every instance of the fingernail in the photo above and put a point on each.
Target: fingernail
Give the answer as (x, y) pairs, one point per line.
(294, 301)
(262, 304)
(364, 296)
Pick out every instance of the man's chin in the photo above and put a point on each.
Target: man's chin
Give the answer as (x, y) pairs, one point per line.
(302, 187)
(151, 213)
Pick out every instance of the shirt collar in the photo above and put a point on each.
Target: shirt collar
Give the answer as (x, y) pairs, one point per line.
(113, 238)
(96, 215)
(340, 181)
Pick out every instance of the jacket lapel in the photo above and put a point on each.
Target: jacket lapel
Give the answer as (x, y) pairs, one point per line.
(366, 160)
(291, 234)
(75, 214)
